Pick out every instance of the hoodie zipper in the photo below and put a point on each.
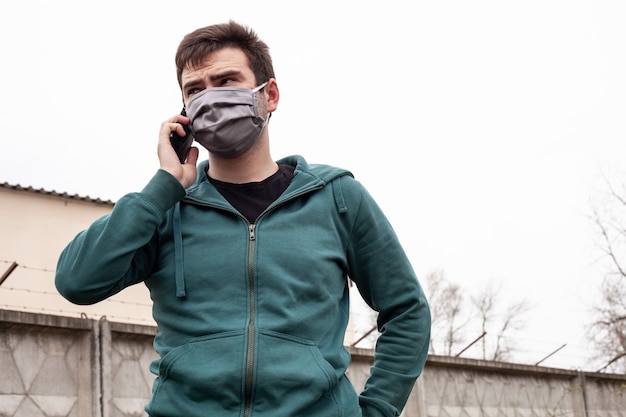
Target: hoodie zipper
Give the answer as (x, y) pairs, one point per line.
(252, 324)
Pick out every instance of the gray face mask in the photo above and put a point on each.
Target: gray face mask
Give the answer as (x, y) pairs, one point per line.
(226, 120)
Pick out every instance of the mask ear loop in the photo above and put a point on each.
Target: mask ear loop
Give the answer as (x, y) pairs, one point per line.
(260, 87)
(256, 90)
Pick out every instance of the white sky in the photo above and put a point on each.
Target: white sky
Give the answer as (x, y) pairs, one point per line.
(483, 128)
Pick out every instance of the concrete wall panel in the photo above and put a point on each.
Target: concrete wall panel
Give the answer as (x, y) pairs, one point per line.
(65, 367)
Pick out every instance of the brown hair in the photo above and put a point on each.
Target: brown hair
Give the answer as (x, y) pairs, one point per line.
(197, 45)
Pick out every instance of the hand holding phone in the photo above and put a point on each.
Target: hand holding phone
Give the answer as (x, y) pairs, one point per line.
(181, 144)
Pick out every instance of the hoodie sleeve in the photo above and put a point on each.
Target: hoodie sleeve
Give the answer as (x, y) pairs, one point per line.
(385, 278)
(118, 249)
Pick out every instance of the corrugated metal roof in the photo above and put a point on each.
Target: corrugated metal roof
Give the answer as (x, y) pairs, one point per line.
(29, 189)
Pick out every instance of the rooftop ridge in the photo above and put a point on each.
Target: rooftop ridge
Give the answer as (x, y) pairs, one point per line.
(18, 187)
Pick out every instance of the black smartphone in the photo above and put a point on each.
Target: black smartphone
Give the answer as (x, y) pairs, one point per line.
(181, 144)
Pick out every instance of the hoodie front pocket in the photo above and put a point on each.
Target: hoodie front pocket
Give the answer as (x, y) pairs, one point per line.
(202, 377)
(292, 376)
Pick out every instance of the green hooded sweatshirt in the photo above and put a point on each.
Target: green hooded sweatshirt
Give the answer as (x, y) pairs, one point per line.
(251, 317)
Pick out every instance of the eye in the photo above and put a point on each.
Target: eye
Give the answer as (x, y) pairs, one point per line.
(226, 81)
(193, 91)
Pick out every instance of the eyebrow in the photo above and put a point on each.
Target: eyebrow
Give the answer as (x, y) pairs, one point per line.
(198, 81)
(225, 74)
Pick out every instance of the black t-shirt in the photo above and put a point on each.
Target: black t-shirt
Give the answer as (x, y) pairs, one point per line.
(251, 198)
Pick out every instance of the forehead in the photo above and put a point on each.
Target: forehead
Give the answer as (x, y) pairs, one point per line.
(220, 61)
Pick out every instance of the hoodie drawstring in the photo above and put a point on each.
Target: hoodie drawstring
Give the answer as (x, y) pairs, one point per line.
(178, 253)
(338, 193)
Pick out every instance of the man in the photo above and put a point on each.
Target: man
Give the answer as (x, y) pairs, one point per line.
(247, 260)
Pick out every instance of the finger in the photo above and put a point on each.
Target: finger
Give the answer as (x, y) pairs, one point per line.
(168, 127)
(179, 118)
(192, 156)
(179, 129)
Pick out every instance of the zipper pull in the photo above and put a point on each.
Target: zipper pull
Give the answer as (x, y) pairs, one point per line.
(251, 229)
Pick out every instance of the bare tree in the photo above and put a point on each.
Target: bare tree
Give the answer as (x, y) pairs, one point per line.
(485, 304)
(446, 303)
(453, 319)
(496, 324)
(609, 325)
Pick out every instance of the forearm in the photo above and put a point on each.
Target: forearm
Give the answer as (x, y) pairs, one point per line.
(401, 351)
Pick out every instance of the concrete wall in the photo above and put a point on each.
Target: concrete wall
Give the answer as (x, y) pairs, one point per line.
(49, 366)
(54, 366)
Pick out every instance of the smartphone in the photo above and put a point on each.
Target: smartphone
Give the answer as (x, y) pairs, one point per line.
(181, 144)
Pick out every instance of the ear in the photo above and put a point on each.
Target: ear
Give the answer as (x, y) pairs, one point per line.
(272, 95)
